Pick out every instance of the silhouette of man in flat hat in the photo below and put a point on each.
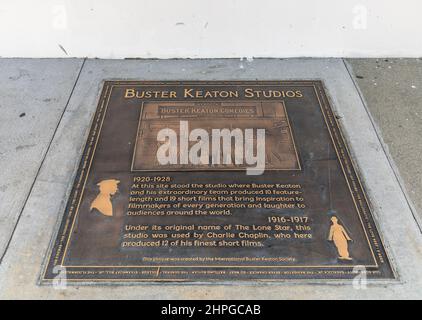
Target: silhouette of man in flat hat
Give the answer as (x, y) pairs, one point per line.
(103, 200)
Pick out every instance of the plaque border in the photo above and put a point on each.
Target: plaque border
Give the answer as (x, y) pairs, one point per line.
(64, 233)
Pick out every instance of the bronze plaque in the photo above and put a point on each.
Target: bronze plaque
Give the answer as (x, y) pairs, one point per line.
(134, 217)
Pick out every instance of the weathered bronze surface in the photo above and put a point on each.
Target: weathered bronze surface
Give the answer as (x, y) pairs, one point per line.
(130, 218)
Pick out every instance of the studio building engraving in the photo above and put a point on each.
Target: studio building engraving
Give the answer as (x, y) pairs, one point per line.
(171, 187)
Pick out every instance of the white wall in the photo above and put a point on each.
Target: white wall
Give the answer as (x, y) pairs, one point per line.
(210, 28)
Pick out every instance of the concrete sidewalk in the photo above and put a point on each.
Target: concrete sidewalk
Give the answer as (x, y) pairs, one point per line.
(45, 110)
(392, 89)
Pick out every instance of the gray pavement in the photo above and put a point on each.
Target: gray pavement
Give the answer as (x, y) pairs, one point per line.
(33, 97)
(392, 89)
(63, 125)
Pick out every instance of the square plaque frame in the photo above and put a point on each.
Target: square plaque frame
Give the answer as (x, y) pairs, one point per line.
(71, 250)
